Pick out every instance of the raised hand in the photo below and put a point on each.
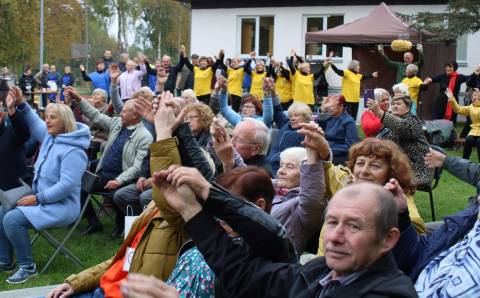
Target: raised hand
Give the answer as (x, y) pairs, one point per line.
(419, 48)
(180, 198)
(193, 178)
(165, 120)
(223, 145)
(114, 74)
(374, 107)
(268, 84)
(72, 93)
(427, 81)
(375, 74)
(221, 84)
(293, 53)
(13, 99)
(182, 51)
(380, 49)
(434, 159)
(315, 139)
(253, 54)
(400, 199)
(144, 107)
(82, 68)
(449, 95)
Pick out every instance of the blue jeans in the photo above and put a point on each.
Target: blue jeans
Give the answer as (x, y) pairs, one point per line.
(97, 293)
(14, 236)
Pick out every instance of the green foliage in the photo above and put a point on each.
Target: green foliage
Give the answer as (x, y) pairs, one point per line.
(460, 17)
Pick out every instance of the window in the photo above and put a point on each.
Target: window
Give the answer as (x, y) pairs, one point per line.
(462, 48)
(319, 23)
(256, 35)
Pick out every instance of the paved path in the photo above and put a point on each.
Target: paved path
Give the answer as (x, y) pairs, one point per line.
(27, 293)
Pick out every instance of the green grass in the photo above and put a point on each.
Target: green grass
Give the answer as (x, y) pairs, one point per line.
(91, 250)
(450, 196)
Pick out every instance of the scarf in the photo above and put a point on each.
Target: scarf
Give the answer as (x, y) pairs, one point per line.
(451, 85)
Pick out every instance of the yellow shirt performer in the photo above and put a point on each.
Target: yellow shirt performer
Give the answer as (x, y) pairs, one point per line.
(302, 80)
(414, 85)
(203, 75)
(351, 79)
(256, 87)
(234, 83)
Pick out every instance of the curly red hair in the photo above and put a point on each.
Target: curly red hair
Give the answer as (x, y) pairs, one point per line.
(398, 162)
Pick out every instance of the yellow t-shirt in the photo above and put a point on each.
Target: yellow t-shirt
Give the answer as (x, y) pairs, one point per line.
(235, 81)
(203, 80)
(413, 85)
(351, 85)
(303, 88)
(257, 84)
(283, 88)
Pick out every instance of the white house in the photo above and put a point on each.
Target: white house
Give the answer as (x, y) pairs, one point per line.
(238, 26)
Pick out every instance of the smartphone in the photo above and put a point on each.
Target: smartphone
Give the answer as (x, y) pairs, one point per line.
(367, 93)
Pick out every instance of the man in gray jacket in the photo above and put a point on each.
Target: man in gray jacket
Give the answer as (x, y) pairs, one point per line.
(121, 160)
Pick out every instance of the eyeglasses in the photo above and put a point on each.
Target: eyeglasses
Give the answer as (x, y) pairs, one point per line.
(191, 117)
(236, 140)
(248, 107)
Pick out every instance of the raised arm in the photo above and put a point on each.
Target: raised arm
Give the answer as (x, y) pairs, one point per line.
(219, 62)
(115, 91)
(221, 91)
(337, 70)
(247, 67)
(19, 125)
(85, 77)
(290, 63)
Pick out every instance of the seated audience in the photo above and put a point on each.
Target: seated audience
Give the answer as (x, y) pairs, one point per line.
(55, 201)
(369, 122)
(401, 127)
(189, 96)
(121, 161)
(98, 101)
(375, 161)
(339, 127)
(359, 240)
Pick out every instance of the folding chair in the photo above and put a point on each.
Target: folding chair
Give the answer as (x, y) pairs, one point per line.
(88, 182)
(436, 178)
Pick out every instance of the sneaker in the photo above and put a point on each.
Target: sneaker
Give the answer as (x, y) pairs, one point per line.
(22, 275)
(7, 268)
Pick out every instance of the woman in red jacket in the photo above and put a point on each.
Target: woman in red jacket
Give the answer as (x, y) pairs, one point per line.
(370, 123)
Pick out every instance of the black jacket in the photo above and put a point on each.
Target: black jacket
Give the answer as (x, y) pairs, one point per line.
(27, 80)
(12, 150)
(261, 272)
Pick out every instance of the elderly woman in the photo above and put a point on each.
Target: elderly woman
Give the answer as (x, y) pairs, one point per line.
(351, 79)
(287, 136)
(401, 127)
(189, 96)
(376, 161)
(370, 123)
(299, 202)
(55, 201)
(199, 117)
(250, 107)
(98, 101)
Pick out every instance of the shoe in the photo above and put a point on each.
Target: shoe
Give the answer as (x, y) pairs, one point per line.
(22, 275)
(7, 268)
(92, 229)
(117, 232)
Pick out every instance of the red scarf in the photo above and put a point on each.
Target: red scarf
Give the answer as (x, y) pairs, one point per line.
(451, 86)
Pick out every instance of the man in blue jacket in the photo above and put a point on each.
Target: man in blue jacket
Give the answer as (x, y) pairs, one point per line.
(99, 78)
(339, 126)
(445, 262)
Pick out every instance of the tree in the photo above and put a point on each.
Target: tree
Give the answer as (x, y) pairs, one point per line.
(460, 17)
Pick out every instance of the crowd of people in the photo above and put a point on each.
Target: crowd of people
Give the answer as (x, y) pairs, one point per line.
(242, 187)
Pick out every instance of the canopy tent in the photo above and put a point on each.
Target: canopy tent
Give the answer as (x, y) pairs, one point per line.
(380, 26)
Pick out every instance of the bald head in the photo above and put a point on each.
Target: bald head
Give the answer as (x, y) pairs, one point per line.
(408, 57)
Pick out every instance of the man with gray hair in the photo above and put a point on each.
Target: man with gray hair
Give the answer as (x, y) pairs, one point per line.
(361, 231)
(400, 67)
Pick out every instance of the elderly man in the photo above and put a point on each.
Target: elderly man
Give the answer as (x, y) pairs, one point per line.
(122, 62)
(361, 231)
(401, 66)
(121, 161)
(131, 79)
(339, 126)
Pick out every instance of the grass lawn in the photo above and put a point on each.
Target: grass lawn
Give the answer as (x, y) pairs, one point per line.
(450, 196)
(91, 250)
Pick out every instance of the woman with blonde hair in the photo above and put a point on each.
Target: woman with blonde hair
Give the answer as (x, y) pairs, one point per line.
(55, 201)
(369, 122)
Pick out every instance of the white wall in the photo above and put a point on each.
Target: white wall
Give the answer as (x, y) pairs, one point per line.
(214, 29)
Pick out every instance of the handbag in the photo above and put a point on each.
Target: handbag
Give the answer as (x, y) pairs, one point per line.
(9, 198)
